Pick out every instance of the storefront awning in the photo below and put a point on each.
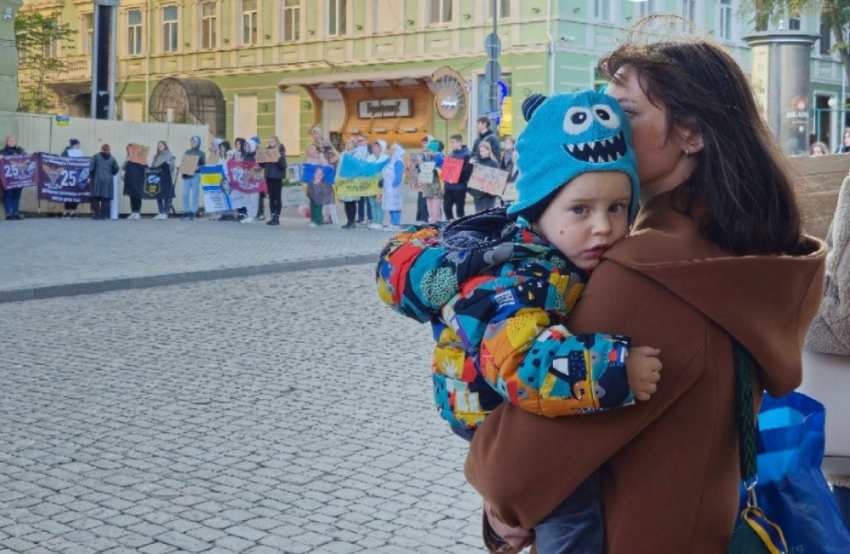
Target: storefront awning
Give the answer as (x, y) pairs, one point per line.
(356, 78)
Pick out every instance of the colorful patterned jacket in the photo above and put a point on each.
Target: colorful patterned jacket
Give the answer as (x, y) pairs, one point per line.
(498, 295)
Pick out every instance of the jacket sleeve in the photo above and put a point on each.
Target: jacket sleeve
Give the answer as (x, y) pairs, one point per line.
(281, 163)
(512, 325)
(410, 275)
(399, 174)
(466, 172)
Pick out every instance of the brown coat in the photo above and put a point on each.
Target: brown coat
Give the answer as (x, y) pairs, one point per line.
(669, 466)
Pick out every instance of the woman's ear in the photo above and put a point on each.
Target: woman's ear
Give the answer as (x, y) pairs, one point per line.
(690, 138)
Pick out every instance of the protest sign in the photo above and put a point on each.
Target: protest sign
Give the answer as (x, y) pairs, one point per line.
(293, 173)
(19, 171)
(138, 153)
(246, 176)
(426, 172)
(63, 179)
(414, 162)
(268, 155)
(358, 186)
(451, 170)
(309, 170)
(488, 179)
(189, 164)
(158, 182)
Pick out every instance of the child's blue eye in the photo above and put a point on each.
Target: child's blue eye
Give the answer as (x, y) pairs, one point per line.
(578, 210)
(616, 208)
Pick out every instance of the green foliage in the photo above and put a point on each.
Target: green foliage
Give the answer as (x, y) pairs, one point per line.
(37, 37)
(835, 14)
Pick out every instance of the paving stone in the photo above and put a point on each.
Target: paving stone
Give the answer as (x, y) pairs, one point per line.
(183, 542)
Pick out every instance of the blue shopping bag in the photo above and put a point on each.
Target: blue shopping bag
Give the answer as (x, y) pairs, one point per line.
(791, 487)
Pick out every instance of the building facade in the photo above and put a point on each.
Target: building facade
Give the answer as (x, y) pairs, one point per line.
(392, 69)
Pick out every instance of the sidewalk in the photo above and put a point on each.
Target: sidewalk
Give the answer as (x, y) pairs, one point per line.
(50, 257)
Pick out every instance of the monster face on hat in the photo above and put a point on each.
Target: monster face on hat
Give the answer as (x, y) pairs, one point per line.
(567, 135)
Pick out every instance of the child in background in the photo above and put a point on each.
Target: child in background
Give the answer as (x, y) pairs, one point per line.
(482, 200)
(499, 286)
(433, 191)
(454, 194)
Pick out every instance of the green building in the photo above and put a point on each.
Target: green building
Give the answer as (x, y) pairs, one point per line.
(391, 69)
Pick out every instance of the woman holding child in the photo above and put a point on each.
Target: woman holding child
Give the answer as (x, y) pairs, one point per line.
(716, 255)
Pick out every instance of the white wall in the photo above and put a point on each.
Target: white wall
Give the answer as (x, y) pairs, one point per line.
(41, 133)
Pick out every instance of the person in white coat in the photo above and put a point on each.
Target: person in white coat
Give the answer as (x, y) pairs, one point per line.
(392, 175)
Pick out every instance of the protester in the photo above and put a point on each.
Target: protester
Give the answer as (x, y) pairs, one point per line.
(252, 199)
(364, 208)
(238, 148)
(261, 207)
(134, 183)
(102, 170)
(164, 159)
(224, 154)
(393, 196)
(433, 191)
(827, 355)
(486, 157)
(379, 149)
(329, 210)
(454, 194)
(12, 197)
(322, 145)
(716, 255)
(192, 183)
(845, 143)
(421, 203)
(485, 134)
(275, 173)
(73, 150)
(508, 152)
(315, 156)
(320, 194)
(350, 202)
(819, 149)
(548, 242)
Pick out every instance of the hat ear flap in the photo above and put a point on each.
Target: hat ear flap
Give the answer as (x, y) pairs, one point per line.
(530, 104)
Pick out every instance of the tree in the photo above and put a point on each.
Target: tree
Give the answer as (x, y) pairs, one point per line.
(835, 15)
(38, 38)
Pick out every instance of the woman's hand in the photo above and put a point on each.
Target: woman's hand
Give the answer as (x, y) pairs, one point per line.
(644, 370)
(516, 537)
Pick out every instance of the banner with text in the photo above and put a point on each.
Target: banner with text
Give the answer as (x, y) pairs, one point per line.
(19, 171)
(63, 179)
(358, 177)
(488, 179)
(452, 168)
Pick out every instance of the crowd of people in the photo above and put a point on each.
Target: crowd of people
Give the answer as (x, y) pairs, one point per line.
(438, 201)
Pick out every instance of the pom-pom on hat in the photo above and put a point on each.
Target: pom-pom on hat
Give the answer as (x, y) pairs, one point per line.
(567, 135)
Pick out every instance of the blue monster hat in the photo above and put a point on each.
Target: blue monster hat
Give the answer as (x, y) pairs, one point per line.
(567, 135)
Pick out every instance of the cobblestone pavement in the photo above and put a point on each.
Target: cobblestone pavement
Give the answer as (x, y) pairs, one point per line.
(41, 252)
(282, 413)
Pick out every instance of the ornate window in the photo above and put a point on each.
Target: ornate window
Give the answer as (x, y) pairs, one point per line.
(170, 33)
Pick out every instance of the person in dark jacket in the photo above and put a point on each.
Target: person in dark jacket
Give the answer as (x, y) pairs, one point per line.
(454, 194)
(12, 197)
(486, 134)
(275, 172)
(101, 172)
(73, 150)
(134, 183)
(164, 159)
(192, 183)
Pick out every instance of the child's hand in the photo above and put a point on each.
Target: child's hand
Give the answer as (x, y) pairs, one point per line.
(644, 370)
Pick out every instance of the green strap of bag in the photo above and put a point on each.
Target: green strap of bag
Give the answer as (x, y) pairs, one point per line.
(756, 534)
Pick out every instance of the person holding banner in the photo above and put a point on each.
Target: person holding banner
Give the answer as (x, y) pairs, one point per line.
(484, 201)
(454, 188)
(165, 162)
(393, 175)
(379, 148)
(73, 150)
(192, 179)
(274, 173)
(12, 197)
(101, 172)
(433, 191)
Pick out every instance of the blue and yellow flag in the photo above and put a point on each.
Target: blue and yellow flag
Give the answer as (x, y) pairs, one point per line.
(352, 168)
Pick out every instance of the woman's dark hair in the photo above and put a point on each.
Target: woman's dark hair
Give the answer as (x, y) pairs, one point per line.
(165, 146)
(741, 177)
(226, 145)
(239, 143)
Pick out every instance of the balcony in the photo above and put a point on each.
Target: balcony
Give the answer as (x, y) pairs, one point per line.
(78, 69)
